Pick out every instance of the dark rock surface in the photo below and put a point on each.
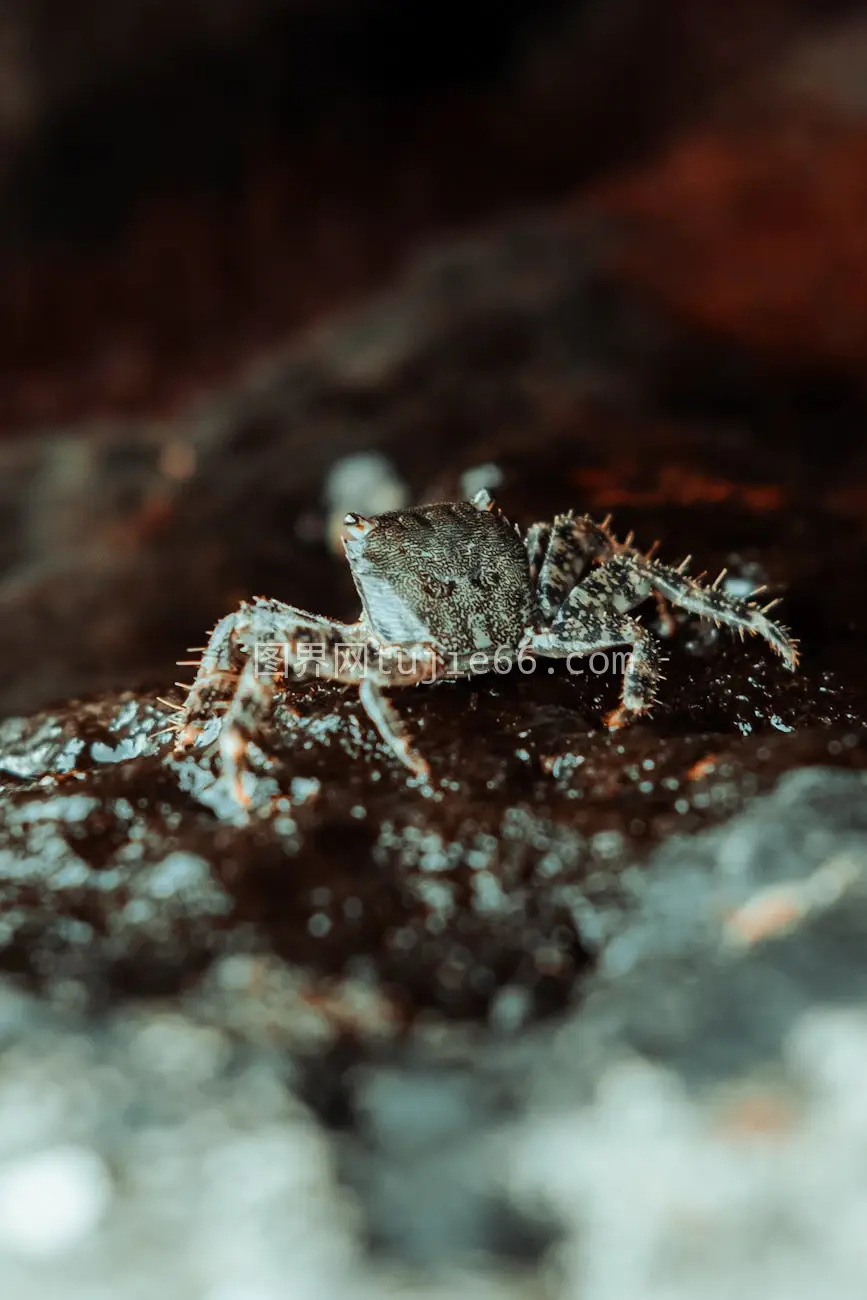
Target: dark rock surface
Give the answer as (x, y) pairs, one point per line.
(698, 1119)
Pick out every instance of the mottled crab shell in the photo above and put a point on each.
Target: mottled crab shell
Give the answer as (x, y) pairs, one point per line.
(453, 574)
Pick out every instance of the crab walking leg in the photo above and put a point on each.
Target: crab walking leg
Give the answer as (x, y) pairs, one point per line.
(536, 544)
(265, 632)
(626, 580)
(743, 616)
(253, 651)
(640, 677)
(602, 631)
(571, 546)
(319, 648)
(341, 661)
(354, 663)
(250, 705)
(385, 718)
(393, 665)
(215, 681)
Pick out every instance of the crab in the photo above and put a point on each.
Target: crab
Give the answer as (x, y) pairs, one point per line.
(449, 590)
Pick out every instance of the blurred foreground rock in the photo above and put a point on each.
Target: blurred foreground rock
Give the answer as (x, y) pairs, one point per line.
(697, 1124)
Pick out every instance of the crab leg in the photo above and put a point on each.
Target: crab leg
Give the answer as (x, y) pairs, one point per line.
(252, 652)
(265, 630)
(601, 630)
(560, 553)
(627, 579)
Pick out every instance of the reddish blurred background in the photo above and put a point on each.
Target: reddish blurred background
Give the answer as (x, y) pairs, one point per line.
(185, 183)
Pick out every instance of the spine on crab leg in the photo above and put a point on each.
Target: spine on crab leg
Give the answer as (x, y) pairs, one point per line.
(571, 544)
(214, 684)
(640, 678)
(280, 645)
(593, 631)
(627, 579)
(713, 603)
(249, 653)
(385, 718)
(254, 652)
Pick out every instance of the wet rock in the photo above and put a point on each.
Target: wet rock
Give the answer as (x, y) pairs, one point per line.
(725, 1055)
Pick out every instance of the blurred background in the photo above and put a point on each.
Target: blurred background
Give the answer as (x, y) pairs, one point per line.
(664, 204)
(186, 184)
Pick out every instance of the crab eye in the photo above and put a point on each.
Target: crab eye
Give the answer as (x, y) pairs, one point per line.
(356, 525)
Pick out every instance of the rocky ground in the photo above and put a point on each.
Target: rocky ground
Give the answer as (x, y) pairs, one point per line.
(587, 1017)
